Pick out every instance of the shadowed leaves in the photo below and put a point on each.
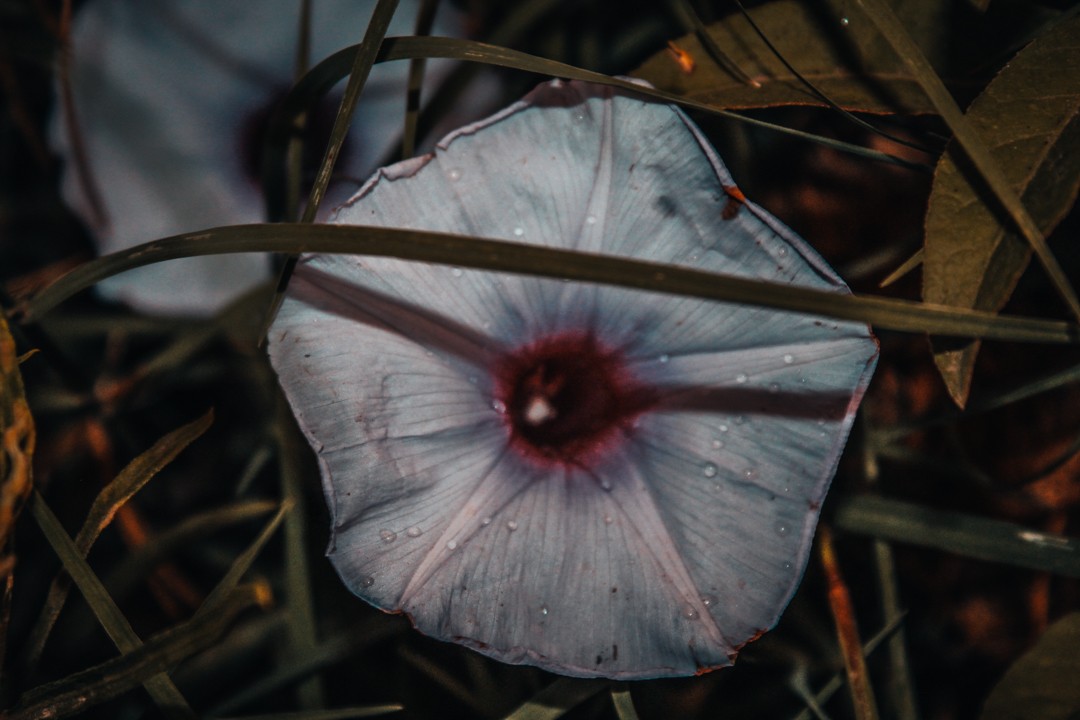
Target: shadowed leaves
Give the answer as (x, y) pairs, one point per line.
(1029, 117)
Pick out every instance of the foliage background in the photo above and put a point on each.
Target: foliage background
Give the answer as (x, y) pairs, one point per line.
(954, 527)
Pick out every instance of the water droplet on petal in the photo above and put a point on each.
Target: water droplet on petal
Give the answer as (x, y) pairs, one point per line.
(608, 519)
(578, 117)
(717, 444)
(741, 378)
(388, 536)
(511, 525)
(844, 21)
(782, 529)
(367, 581)
(414, 532)
(664, 358)
(486, 521)
(722, 427)
(750, 473)
(605, 484)
(689, 613)
(544, 610)
(788, 359)
(498, 406)
(519, 231)
(774, 388)
(454, 174)
(710, 470)
(591, 219)
(708, 601)
(451, 545)
(456, 272)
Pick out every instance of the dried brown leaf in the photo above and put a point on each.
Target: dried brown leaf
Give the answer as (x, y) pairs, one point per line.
(837, 51)
(1029, 117)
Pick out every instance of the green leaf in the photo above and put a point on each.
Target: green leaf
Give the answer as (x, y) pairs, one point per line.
(1029, 116)
(838, 54)
(977, 537)
(527, 259)
(1042, 683)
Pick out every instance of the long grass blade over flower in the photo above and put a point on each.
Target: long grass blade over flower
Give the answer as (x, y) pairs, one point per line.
(594, 480)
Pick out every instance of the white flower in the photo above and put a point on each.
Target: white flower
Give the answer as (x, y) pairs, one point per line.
(168, 96)
(590, 479)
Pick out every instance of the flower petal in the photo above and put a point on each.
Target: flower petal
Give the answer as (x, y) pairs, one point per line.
(164, 93)
(682, 538)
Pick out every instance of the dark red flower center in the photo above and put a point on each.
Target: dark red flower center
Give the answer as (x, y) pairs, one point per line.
(567, 399)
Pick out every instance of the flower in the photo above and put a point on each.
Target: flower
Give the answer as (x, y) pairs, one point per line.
(171, 99)
(594, 480)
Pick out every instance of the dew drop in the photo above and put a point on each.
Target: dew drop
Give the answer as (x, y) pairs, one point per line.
(451, 545)
(388, 536)
(664, 358)
(722, 427)
(454, 174)
(605, 484)
(717, 444)
(750, 474)
(710, 470)
(689, 613)
(608, 519)
(498, 406)
(782, 252)
(774, 388)
(787, 566)
(708, 600)
(367, 581)
(782, 529)
(788, 359)
(741, 378)
(544, 610)
(519, 231)
(414, 532)
(457, 272)
(845, 22)
(511, 525)
(579, 117)
(486, 521)
(591, 219)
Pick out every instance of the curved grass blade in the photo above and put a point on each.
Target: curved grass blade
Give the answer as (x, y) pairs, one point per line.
(318, 81)
(974, 147)
(112, 497)
(242, 564)
(85, 689)
(164, 693)
(484, 254)
(982, 538)
(186, 533)
(1029, 117)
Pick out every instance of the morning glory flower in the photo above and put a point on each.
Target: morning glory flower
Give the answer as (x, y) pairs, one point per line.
(171, 98)
(594, 480)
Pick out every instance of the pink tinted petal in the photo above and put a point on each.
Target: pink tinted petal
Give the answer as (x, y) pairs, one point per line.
(687, 535)
(163, 91)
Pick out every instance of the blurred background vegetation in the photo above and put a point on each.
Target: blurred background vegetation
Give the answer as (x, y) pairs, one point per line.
(953, 529)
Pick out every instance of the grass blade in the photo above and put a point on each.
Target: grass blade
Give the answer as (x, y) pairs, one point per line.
(161, 688)
(105, 506)
(87, 688)
(982, 538)
(883, 313)
(894, 33)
